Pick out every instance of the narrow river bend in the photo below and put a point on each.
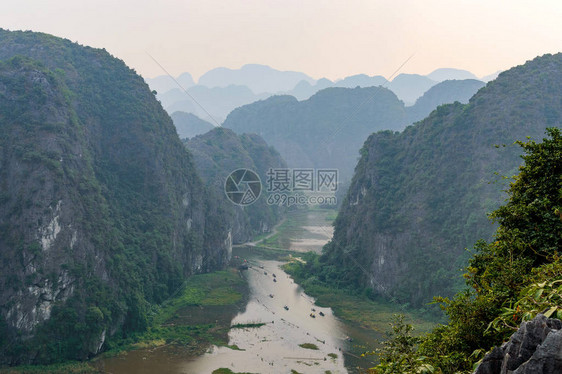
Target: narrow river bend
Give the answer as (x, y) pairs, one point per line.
(293, 324)
(274, 347)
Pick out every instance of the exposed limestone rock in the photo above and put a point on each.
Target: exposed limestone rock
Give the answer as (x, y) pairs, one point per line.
(102, 212)
(536, 348)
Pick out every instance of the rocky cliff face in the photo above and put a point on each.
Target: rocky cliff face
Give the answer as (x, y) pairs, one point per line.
(218, 153)
(101, 210)
(419, 197)
(536, 348)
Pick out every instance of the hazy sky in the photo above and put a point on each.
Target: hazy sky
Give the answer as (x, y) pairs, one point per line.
(323, 38)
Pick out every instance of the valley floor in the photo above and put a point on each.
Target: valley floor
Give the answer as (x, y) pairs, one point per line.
(200, 315)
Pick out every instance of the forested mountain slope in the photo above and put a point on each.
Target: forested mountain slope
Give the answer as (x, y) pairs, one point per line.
(102, 212)
(218, 153)
(189, 125)
(325, 131)
(446, 92)
(419, 197)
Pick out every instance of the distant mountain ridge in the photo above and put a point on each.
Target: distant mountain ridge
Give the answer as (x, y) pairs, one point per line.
(408, 87)
(419, 197)
(325, 131)
(328, 129)
(258, 78)
(221, 90)
(446, 92)
(447, 74)
(189, 125)
(217, 102)
(360, 80)
(164, 83)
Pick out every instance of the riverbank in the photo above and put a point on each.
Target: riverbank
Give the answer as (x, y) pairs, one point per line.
(358, 309)
(62, 368)
(303, 230)
(185, 326)
(211, 311)
(367, 320)
(286, 330)
(196, 317)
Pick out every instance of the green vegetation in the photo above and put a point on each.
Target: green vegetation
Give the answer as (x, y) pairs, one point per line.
(309, 346)
(333, 355)
(234, 347)
(64, 368)
(321, 128)
(247, 325)
(93, 153)
(510, 279)
(358, 306)
(289, 228)
(331, 217)
(183, 319)
(441, 93)
(292, 228)
(312, 129)
(420, 197)
(217, 288)
(398, 354)
(226, 371)
(189, 125)
(218, 153)
(267, 253)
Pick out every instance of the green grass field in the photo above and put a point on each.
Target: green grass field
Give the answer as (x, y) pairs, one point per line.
(292, 227)
(221, 291)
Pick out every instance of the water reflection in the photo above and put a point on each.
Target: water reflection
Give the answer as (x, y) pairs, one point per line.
(275, 347)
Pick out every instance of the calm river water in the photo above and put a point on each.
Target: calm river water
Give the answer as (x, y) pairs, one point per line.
(276, 346)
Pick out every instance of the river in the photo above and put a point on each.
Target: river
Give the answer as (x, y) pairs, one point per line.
(297, 334)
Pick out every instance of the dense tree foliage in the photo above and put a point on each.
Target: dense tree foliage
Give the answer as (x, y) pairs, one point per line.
(510, 279)
(218, 153)
(101, 210)
(445, 92)
(328, 129)
(189, 125)
(420, 197)
(325, 131)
